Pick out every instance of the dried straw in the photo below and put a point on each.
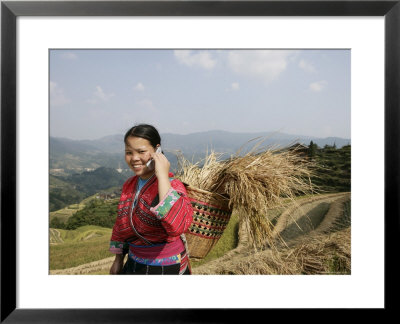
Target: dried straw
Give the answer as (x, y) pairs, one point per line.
(254, 182)
(320, 254)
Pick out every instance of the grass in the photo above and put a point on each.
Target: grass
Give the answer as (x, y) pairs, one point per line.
(338, 265)
(83, 245)
(65, 213)
(84, 233)
(347, 213)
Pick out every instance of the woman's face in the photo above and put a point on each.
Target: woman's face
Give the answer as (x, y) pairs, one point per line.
(137, 154)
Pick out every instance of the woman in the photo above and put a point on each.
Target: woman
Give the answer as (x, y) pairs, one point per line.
(153, 212)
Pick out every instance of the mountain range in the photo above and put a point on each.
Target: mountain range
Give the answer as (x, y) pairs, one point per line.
(109, 151)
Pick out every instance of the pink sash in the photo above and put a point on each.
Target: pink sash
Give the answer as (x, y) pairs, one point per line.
(158, 251)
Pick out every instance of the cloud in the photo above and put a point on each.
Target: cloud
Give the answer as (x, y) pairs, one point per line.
(100, 96)
(235, 86)
(146, 105)
(143, 111)
(267, 65)
(200, 59)
(306, 66)
(139, 87)
(69, 56)
(318, 86)
(57, 96)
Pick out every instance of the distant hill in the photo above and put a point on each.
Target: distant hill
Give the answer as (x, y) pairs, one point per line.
(228, 142)
(332, 173)
(68, 146)
(91, 182)
(74, 188)
(62, 193)
(71, 154)
(108, 151)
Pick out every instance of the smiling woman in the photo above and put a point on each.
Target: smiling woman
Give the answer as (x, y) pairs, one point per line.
(153, 213)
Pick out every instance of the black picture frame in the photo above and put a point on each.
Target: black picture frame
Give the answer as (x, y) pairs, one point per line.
(10, 10)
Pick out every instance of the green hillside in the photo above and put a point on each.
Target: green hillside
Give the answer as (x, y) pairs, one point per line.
(333, 173)
(72, 189)
(95, 212)
(62, 193)
(59, 217)
(91, 182)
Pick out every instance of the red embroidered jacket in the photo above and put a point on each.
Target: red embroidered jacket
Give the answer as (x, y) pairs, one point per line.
(156, 221)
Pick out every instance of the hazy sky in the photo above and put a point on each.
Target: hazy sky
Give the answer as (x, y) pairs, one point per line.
(95, 93)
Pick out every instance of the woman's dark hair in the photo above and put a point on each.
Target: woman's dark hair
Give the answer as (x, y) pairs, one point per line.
(144, 131)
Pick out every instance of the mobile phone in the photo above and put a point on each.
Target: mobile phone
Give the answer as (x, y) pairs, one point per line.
(150, 163)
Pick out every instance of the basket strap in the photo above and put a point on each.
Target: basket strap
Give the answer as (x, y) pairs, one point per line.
(137, 233)
(183, 238)
(134, 202)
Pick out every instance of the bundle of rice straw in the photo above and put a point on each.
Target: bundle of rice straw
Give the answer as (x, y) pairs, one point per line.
(254, 182)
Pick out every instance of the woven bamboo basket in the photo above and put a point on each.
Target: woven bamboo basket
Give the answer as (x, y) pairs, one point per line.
(211, 214)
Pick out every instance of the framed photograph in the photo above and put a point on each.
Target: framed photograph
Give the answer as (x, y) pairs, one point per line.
(32, 31)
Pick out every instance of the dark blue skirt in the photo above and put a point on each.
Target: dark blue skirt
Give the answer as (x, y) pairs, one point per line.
(131, 267)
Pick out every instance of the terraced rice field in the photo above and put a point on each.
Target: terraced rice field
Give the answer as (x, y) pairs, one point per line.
(311, 236)
(66, 212)
(55, 236)
(76, 247)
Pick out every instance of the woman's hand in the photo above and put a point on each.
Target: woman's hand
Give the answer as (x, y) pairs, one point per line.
(162, 172)
(162, 165)
(117, 265)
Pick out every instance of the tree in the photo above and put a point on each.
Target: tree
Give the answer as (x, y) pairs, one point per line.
(312, 149)
(57, 223)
